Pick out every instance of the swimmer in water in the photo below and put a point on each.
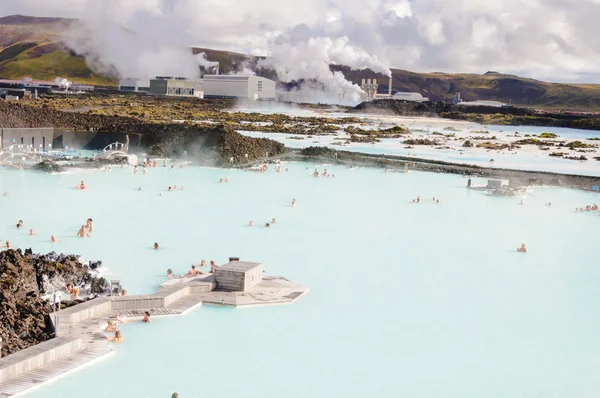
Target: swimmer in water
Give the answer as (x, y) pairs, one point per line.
(213, 267)
(146, 317)
(31, 233)
(111, 326)
(75, 294)
(169, 273)
(156, 247)
(193, 271)
(273, 221)
(203, 263)
(118, 337)
(293, 202)
(83, 233)
(182, 188)
(164, 162)
(220, 180)
(140, 188)
(437, 201)
(522, 249)
(53, 239)
(8, 245)
(89, 225)
(69, 288)
(267, 225)
(5, 193)
(522, 203)
(175, 187)
(20, 224)
(251, 223)
(226, 179)
(169, 189)
(82, 185)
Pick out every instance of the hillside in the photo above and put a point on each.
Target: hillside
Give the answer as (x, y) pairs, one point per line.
(31, 46)
(489, 86)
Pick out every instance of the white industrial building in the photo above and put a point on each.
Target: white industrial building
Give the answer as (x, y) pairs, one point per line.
(235, 86)
(496, 104)
(135, 85)
(406, 96)
(210, 86)
(176, 86)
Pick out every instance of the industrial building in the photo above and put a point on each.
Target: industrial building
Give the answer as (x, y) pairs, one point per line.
(234, 86)
(456, 100)
(134, 85)
(210, 86)
(370, 88)
(176, 86)
(407, 96)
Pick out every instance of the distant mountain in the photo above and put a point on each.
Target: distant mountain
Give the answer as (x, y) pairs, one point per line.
(31, 46)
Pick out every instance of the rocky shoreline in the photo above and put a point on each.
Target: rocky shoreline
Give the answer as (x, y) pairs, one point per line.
(481, 114)
(25, 278)
(213, 144)
(397, 163)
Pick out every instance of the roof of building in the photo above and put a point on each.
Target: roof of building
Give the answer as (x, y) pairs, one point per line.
(238, 266)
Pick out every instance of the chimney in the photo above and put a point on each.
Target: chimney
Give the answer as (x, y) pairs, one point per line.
(368, 81)
(390, 86)
(363, 82)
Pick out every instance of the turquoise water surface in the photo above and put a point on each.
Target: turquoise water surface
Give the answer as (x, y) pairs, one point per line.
(415, 300)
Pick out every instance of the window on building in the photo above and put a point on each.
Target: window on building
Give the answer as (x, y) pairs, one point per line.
(32, 141)
(44, 142)
(260, 85)
(21, 140)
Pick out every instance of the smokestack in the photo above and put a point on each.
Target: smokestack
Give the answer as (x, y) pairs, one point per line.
(363, 82)
(390, 86)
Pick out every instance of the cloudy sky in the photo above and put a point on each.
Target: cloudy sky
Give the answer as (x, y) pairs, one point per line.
(554, 40)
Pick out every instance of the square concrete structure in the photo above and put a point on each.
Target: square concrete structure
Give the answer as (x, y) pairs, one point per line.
(38, 138)
(235, 86)
(134, 85)
(238, 276)
(496, 184)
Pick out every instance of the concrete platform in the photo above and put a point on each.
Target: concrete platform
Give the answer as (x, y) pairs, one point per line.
(80, 339)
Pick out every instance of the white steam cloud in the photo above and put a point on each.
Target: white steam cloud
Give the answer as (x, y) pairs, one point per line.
(299, 56)
(111, 49)
(552, 39)
(202, 61)
(63, 83)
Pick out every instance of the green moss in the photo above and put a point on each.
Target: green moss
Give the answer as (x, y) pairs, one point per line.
(51, 65)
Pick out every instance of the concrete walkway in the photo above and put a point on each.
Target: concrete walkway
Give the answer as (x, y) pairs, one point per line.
(80, 339)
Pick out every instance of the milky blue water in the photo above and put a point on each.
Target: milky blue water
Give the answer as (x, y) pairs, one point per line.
(415, 300)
